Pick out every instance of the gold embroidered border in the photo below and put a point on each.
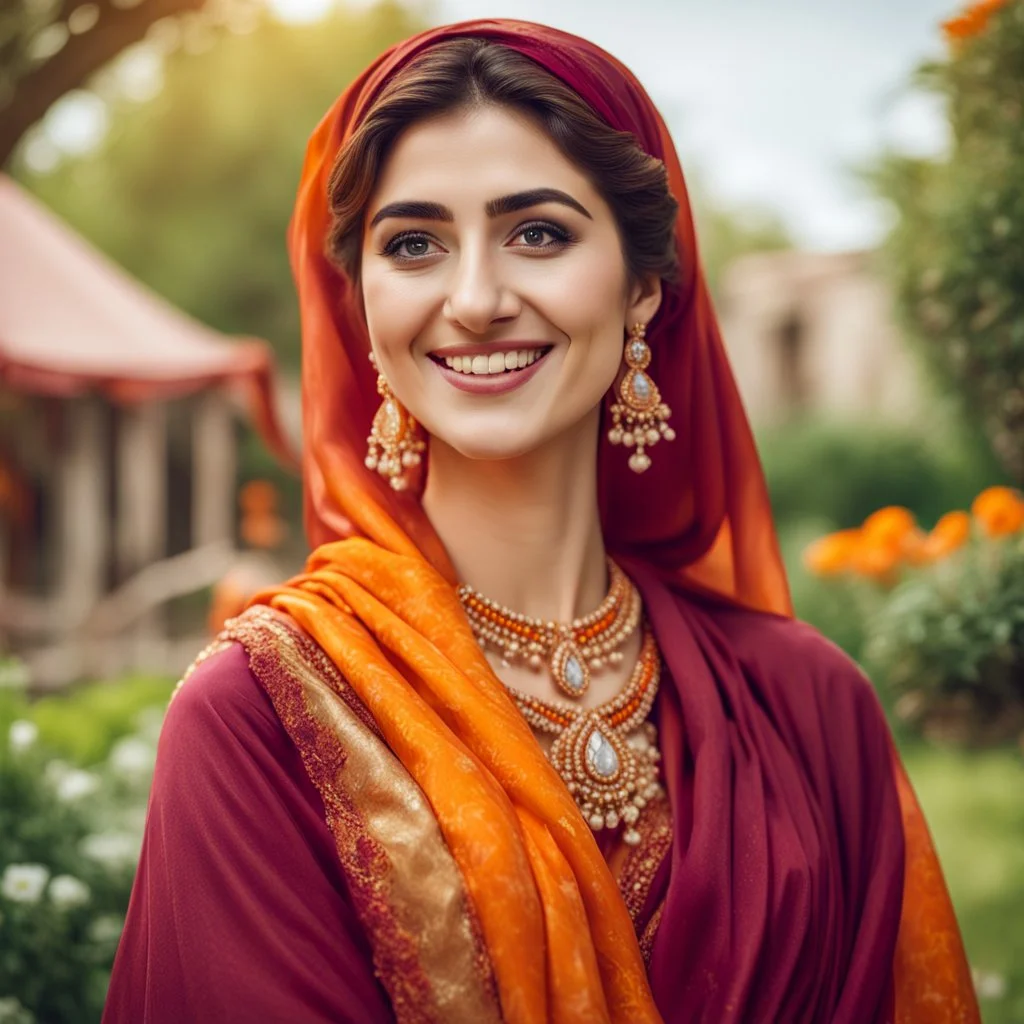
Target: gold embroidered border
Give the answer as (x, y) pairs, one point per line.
(641, 866)
(407, 890)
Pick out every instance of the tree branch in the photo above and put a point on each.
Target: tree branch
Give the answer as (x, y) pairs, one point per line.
(82, 56)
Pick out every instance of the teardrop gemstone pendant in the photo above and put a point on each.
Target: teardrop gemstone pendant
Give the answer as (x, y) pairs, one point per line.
(569, 669)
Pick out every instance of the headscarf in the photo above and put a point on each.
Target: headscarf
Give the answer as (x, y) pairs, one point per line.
(378, 592)
(700, 514)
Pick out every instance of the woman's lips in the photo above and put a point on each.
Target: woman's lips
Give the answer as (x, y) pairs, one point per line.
(489, 383)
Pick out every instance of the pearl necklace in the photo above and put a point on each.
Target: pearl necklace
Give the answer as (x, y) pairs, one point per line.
(611, 775)
(572, 650)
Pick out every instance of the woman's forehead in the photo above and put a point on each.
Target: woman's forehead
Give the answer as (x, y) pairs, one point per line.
(473, 157)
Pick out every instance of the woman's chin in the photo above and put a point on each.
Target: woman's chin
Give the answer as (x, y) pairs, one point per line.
(491, 444)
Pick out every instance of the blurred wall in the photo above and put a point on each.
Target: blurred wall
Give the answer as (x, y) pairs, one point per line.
(812, 333)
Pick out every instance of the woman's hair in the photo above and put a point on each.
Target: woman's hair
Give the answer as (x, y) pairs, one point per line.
(465, 73)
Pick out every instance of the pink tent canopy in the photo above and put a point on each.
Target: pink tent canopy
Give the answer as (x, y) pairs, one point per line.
(72, 321)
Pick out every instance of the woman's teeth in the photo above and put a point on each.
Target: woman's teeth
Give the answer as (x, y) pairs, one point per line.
(496, 362)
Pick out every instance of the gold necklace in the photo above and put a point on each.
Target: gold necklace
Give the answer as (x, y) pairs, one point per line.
(573, 649)
(611, 774)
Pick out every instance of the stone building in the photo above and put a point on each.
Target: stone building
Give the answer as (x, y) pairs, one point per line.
(813, 334)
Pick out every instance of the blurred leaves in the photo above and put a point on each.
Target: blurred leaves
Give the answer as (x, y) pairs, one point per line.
(838, 473)
(191, 191)
(956, 256)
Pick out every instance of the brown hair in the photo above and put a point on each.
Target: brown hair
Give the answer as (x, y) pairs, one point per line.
(470, 72)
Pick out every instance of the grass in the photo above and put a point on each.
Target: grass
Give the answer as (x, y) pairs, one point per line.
(974, 802)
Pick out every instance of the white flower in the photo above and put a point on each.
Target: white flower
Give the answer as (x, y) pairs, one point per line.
(132, 756)
(22, 734)
(106, 928)
(24, 883)
(55, 770)
(115, 849)
(12, 1012)
(77, 783)
(66, 891)
(988, 984)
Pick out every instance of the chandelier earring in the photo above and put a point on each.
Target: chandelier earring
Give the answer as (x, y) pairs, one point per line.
(394, 444)
(639, 417)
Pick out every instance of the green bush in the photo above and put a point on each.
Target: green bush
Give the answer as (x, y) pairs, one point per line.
(838, 473)
(69, 844)
(956, 255)
(948, 643)
(84, 723)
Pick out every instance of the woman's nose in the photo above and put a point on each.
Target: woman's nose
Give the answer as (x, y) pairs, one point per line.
(479, 296)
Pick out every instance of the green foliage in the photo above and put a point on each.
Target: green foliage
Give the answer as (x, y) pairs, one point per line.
(69, 843)
(838, 473)
(949, 643)
(973, 806)
(956, 256)
(83, 724)
(192, 191)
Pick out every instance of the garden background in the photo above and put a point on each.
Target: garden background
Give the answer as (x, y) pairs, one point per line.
(903, 534)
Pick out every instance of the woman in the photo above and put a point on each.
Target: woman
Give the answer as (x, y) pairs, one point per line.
(534, 736)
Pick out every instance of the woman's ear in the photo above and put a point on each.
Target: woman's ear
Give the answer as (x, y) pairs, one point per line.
(645, 300)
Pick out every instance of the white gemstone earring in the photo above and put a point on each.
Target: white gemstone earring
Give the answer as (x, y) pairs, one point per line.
(394, 444)
(639, 418)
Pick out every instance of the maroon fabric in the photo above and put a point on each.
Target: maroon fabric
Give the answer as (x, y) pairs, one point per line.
(240, 912)
(783, 888)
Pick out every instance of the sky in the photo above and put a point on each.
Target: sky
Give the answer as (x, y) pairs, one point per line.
(772, 102)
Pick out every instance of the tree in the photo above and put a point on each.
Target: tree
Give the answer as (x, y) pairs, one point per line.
(191, 191)
(49, 47)
(956, 256)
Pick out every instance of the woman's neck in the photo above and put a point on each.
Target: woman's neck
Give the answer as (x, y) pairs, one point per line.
(524, 532)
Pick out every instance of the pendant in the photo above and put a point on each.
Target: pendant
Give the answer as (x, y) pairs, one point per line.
(569, 669)
(610, 779)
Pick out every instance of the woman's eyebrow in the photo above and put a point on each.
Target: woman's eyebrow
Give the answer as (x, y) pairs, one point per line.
(419, 210)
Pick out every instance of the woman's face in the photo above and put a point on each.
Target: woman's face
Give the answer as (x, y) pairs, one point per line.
(494, 284)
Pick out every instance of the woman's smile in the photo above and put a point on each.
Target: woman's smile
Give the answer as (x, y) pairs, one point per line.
(492, 369)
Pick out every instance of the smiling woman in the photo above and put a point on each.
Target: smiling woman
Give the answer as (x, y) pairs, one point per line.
(533, 738)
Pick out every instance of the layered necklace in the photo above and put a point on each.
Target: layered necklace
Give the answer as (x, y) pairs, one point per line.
(571, 650)
(608, 755)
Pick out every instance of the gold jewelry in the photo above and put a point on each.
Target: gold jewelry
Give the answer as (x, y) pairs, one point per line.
(639, 418)
(611, 774)
(572, 649)
(394, 444)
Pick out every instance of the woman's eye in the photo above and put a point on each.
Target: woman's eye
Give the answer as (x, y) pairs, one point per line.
(543, 236)
(407, 247)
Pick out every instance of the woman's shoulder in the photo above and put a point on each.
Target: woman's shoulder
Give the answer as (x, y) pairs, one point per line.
(789, 649)
(807, 681)
(220, 699)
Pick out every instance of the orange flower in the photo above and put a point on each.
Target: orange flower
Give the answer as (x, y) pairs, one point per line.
(257, 496)
(999, 510)
(972, 21)
(915, 547)
(831, 554)
(877, 558)
(262, 530)
(889, 526)
(950, 533)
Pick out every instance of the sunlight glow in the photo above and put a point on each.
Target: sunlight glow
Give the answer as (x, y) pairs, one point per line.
(299, 12)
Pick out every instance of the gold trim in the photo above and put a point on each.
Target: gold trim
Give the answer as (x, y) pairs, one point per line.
(408, 891)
